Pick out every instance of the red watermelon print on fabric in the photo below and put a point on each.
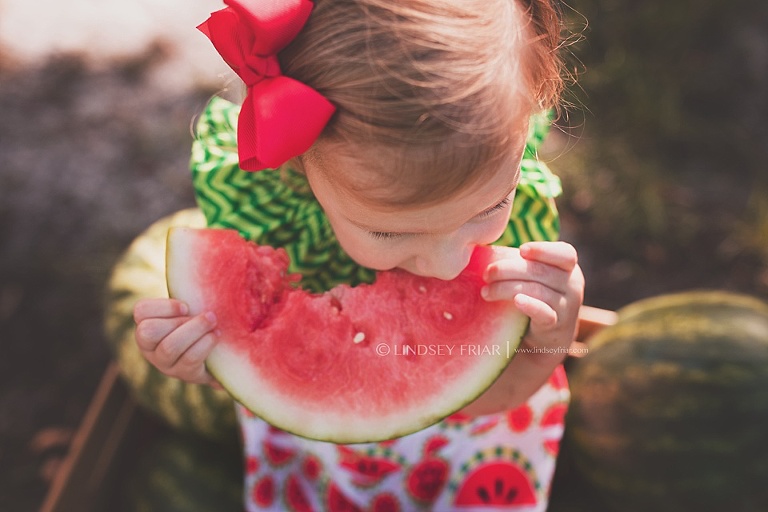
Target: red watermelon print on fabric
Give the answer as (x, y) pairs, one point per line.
(369, 468)
(488, 463)
(500, 477)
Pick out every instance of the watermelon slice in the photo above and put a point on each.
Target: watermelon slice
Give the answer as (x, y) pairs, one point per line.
(354, 364)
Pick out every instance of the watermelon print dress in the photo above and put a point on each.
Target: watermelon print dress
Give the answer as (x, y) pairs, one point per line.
(502, 461)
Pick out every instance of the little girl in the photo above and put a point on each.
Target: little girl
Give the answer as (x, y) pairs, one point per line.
(393, 134)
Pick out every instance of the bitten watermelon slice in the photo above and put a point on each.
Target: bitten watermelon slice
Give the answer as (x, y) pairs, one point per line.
(354, 364)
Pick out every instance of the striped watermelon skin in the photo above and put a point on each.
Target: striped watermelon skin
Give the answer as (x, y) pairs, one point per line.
(669, 410)
(178, 472)
(140, 273)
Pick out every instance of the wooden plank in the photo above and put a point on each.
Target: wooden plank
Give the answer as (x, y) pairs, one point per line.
(591, 320)
(110, 426)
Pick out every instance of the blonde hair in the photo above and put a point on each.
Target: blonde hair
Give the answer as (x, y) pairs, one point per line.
(438, 89)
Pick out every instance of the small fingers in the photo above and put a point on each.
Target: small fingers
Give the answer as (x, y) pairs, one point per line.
(558, 254)
(173, 346)
(151, 331)
(520, 270)
(537, 310)
(191, 364)
(159, 308)
(511, 290)
(198, 352)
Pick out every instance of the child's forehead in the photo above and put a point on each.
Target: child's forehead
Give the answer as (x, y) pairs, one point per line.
(401, 176)
(445, 215)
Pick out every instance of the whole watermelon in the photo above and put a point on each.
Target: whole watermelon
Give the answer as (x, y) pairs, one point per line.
(669, 409)
(140, 273)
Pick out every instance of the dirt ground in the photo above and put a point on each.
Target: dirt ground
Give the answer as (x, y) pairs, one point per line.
(88, 159)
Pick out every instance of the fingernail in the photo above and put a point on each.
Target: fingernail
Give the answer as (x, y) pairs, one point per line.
(484, 292)
(211, 317)
(184, 309)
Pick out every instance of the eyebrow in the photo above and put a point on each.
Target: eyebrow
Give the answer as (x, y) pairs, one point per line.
(497, 203)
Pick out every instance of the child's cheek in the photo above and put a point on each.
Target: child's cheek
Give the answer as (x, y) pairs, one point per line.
(367, 251)
(491, 230)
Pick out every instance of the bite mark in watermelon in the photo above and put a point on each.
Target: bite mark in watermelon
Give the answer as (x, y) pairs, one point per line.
(354, 364)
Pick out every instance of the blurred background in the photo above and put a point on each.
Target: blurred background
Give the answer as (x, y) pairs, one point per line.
(662, 151)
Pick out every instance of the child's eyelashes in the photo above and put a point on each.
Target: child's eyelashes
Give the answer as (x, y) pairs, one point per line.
(503, 204)
(385, 235)
(391, 235)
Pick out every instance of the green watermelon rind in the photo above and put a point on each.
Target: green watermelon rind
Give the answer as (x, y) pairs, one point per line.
(668, 407)
(714, 301)
(229, 368)
(684, 314)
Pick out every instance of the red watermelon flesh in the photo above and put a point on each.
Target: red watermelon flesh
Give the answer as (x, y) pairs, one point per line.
(354, 364)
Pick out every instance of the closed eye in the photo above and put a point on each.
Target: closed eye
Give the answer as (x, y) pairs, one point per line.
(385, 235)
(503, 204)
(390, 235)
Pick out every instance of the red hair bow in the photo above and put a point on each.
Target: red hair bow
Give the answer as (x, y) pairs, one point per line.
(280, 117)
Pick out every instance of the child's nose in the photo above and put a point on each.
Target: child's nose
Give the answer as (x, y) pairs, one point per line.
(444, 262)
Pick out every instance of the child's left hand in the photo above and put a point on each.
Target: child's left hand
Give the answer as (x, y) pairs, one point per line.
(545, 282)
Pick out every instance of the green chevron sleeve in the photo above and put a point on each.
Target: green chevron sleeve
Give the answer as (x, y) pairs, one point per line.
(534, 213)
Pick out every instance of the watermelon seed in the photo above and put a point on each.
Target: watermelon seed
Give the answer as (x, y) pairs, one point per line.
(447, 315)
(422, 288)
(359, 337)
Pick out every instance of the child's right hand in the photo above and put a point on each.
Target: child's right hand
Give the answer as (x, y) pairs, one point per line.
(174, 342)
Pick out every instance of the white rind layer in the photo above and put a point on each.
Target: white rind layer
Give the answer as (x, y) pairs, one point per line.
(180, 265)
